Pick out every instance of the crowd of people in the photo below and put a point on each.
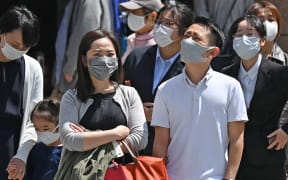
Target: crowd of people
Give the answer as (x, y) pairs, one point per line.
(163, 97)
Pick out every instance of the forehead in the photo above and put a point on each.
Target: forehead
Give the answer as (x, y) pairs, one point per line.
(244, 25)
(198, 29)
(265, 12)
(167, 14)
(41, 122)
(15, 35)
(102, 43)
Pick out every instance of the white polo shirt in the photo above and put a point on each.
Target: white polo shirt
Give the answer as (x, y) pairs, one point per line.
(197, 116)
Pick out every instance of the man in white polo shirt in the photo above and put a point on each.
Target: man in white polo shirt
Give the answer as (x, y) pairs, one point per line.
(200, 113)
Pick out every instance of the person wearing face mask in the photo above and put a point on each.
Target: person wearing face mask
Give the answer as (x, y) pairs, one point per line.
(265, 89)
(201, 110)
(140, 19)
(271, 17)
(146, 68)
(100, 110)
(43, 159)
(21, 86)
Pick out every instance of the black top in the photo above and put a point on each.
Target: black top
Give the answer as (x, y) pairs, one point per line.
(12, 75)
(42, 163)
(103, 114)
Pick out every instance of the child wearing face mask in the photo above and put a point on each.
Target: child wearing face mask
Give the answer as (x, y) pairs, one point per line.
(44, 158)
(140, 19)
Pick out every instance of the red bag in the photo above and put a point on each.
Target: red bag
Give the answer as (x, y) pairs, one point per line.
(143, 168)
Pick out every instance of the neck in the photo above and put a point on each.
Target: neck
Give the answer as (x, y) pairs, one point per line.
(3, 58)
(102, 86)
(56, 143)
(146, 29)
(267, 48)
(170, 50)
(197, 71)
(248, 64)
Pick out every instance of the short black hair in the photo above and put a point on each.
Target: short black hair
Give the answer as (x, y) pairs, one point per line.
(84, 84)
(218, 37)
(253, 20)
(19, 17)
(181, 13)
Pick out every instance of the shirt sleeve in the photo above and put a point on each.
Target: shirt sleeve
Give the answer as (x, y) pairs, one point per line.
(69, 113)
(137, 122)
(160, 111)
(236, 107)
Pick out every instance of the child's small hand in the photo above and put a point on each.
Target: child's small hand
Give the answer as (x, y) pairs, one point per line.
(16, 169)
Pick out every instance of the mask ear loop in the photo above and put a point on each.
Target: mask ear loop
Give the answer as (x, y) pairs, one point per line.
(54, 130)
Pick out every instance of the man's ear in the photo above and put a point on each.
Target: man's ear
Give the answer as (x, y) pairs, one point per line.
(215, 51)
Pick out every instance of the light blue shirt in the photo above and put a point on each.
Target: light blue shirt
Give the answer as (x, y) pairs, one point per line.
(161, 68)
(248, 80)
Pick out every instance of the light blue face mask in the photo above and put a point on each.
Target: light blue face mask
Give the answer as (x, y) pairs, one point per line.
(246, 47)
(162, 35)
(191, 51)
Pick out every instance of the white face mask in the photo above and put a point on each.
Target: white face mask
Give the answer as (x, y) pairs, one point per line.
(10, 52)
(246, 47)
(191, 51)
(271, 30)
(162, 35)
(135, 23)
(48, 137)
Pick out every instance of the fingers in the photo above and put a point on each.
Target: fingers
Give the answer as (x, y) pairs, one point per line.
(277, 139)
(76, 127)
(16, 169)
(272, 134)
(16, 174)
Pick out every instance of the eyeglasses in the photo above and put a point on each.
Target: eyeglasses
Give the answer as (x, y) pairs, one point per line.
(166, 22)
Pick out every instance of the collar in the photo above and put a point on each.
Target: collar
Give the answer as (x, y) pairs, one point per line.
(144, 37)
(170, 60)
(251, 73)
(205, 79)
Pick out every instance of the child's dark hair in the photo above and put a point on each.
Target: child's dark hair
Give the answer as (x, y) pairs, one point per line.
(46, 109)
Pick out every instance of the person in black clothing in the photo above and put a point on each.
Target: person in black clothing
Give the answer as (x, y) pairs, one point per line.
(265, 88)
(21, 87)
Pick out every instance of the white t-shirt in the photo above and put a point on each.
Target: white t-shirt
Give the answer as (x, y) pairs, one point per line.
(197, 116)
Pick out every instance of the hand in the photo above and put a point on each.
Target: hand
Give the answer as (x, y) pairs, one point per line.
(77, 127)
(68, 78)
(148, 109)
(16, 169)
(280, 139)
(121, 132)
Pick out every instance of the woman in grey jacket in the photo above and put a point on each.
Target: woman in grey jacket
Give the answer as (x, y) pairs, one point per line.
(99, 110)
